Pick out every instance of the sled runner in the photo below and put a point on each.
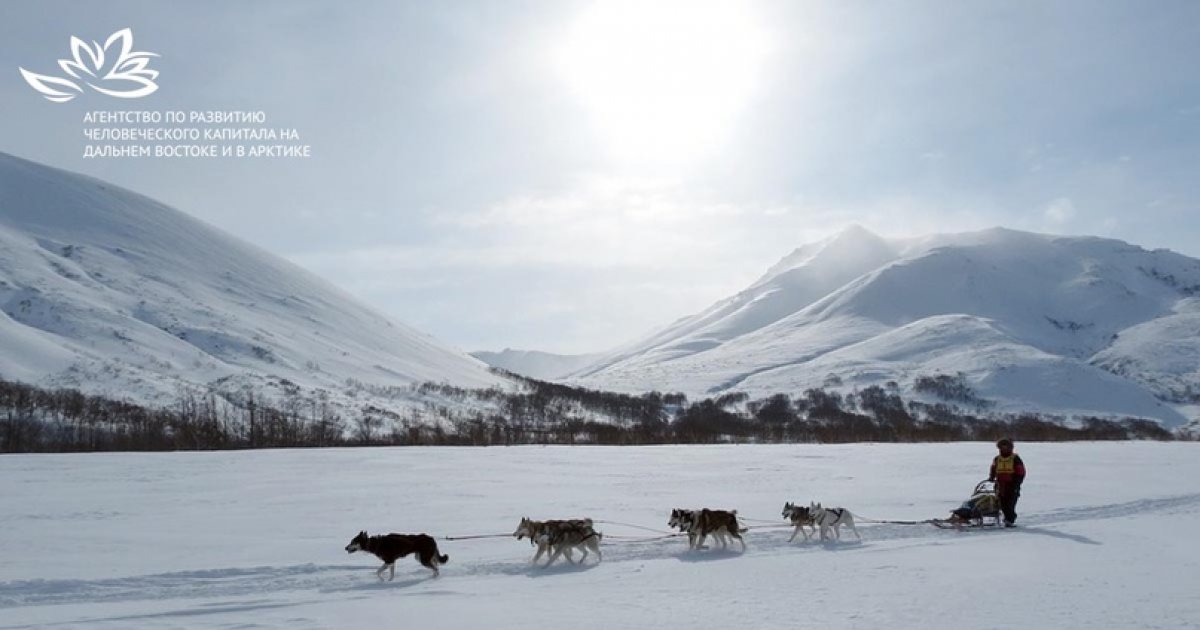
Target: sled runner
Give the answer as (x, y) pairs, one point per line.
(981, 510)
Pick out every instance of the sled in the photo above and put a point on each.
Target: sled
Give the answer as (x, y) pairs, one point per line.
(979, 511)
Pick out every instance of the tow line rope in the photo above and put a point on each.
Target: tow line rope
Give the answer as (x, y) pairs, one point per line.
(863, 519)
(641, 527)
(476, 536)
(662, 535)
(757, 520)
(638, 539)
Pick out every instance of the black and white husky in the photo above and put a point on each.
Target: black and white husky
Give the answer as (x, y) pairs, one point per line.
(799, 516)
(560, 538)
(685, 522)
(832, 518)
(391, 547)
(699, 524)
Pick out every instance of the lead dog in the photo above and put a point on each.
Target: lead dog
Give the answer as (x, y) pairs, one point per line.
(699, 524)
(560, 537)
(685, 522)
(393, 546)
(800, 516)
(827, 518)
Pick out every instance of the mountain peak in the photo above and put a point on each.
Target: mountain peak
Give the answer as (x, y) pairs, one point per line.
(857, 231)
(851, 247)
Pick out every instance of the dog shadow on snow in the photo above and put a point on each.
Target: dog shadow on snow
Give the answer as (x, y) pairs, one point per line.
(765, 543)
(539, 570)
(835, 545)
(708, 555)
(376, 585)
(826, 545)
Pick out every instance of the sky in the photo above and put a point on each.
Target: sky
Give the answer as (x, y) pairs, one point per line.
(568, 176)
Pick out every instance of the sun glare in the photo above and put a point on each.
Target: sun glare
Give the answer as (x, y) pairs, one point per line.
(664, 81)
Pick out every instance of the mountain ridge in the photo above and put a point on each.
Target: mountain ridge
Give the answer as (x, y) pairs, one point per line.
(108, 291)
(1026, 308)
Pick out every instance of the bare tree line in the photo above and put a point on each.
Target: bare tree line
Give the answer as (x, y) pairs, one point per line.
(33, 419)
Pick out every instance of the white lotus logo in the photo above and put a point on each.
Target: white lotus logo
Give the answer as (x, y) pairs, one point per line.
(114, 69)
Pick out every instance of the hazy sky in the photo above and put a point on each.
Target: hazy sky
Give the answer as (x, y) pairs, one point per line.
(566, 176)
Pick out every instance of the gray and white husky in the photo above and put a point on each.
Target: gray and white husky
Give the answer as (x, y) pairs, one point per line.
(832, 518)
(560, 537)
(800, 516)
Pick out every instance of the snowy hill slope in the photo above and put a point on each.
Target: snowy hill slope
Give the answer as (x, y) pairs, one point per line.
(535, 364)
(110, 292)
(1034, 322)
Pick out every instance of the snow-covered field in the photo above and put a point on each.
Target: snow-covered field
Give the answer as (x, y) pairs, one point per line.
(255, 539)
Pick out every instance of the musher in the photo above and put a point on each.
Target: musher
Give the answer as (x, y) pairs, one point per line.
(1008, 471)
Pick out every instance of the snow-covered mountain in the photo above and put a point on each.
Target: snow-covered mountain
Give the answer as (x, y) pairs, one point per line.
(534, 363)
(105, 290)
(1074, 325)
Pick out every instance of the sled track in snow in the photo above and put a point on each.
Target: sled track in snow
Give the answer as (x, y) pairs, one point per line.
(326, 579)
(205, 583)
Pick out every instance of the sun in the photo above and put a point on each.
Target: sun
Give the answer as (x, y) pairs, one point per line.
(663, 81)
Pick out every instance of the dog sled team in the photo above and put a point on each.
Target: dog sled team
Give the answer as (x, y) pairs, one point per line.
(993, 498)
(561, 538)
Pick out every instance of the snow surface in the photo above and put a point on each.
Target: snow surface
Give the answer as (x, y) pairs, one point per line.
(255, 539)
(1072, 325)
(107, 291)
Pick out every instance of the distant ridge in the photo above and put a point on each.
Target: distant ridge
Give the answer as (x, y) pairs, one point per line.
(535, 364)
(1070, 325)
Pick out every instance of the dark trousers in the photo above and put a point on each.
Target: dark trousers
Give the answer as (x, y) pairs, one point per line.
(1008, 496)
